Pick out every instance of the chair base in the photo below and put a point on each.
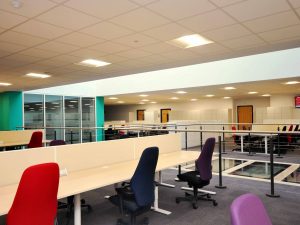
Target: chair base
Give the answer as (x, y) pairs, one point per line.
(132, 221)
(194, 198)
(70, 205)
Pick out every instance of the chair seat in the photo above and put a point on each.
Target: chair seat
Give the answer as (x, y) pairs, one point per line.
(193, 179)
(128, 205)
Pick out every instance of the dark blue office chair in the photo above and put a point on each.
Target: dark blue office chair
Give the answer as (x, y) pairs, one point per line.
(201, 176)
(137, 196)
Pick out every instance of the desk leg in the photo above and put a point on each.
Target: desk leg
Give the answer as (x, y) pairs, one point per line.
(266, 144)
(77, 210)
(242, 143)
(155, 207)
(161, 183)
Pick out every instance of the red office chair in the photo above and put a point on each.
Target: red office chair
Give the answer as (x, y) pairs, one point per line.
(236, 139)
(289, 137)
(36, 140)
(36, 199)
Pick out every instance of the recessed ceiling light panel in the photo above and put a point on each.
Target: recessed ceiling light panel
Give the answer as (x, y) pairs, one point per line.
(4, 84)
(209, 95)
(266, 95)
(190, 41)
(252, 92)
(113, 98)
(226, 97)
(143, 95)
(292, 82)
(93, 63)
(229, 88)
(193, 99)
(180, 92)
(174, 98)
(38, 75)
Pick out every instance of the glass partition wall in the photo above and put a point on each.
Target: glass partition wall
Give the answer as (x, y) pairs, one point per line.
(54, 112)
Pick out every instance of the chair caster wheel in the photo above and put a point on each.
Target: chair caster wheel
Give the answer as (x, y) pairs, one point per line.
(215, 203)
(195, 206)
(119, 222)
(177, 200)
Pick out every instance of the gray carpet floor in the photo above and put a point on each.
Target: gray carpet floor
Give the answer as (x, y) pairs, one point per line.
(283, 210)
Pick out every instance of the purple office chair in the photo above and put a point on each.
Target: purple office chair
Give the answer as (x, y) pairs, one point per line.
(248, 209)
(201, 176)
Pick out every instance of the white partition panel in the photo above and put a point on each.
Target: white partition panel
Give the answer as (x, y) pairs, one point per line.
(166, 143)
(89, 155)
(13, 163)
(17, 136)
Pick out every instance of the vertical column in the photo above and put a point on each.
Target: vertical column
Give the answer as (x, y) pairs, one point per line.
(100, 117)
(11, 110)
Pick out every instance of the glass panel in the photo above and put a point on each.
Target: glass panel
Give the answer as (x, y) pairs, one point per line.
(260, 170)
(226, 164)
(88, 119)
(294, 177)
(54, 117)
(72, 119)
(33, 110)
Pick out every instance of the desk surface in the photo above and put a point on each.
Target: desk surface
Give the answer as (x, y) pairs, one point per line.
(90, 179)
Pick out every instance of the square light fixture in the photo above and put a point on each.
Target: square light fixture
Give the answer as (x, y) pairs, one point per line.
(209, 95)
(229, 88)
(143, 95)
(190, 41)
(4, 84)
(252, 92)
(153, 102)
(145, 100)
(266, 95)
(93, 63)
(292, 82)
(113, 98)
(120, 102)
(180, 92)
(226, 97)
(38, 75)
(194, 99)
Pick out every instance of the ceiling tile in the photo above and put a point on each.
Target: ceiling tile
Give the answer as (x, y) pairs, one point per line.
(243, 42)
(248, 10)
(106, 30)
(22, 59)
(207, 21)
(113, 58)
(136, 40)
(222, 3)
(68, 18)
(144, 2)
(79, 39)
(40, 29)
(87, 53)
(39, 53)
(159, 48)
(59, 1)
(154, 59)
(57, 47)
(2, 29)
(284, 33)
(181, 54)
(4, 53)
(110, 47)
(19, 38)
(8, 20)
(225, 33)
(69, 58)
(28, 8)
(102, 10)
(180, 9)
(168, 32)
(9, 47)
(295, 3)
(53, 62)
(273, 22)
(140, 19)
(134, 53)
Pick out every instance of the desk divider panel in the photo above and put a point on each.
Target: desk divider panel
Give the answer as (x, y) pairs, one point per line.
(13, 163)
(89, 155)
(264, 127)
(18, 135)
(166, 143)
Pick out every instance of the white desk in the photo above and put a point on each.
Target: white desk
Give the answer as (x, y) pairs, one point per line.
(89, 179)
(265, 135)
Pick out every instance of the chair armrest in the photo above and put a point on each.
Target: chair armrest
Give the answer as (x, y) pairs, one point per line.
(125, 193)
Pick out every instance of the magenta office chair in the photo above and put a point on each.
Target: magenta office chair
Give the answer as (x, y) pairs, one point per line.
(248, 209)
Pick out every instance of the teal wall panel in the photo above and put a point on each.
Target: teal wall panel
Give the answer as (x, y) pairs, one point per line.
(100, 117)
(11, 110)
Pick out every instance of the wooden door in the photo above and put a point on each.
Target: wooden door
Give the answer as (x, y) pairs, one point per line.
(164, 115)
(245, 115)
(140, 114)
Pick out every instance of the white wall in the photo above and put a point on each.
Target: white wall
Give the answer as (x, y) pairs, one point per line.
(282, 100)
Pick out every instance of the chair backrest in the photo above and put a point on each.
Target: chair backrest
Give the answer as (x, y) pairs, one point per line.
(203, 163)
(35, 202)
(142, 182)
(296, 128)
(291, 128)
(57, 142)
(36, 140)
(284, 128)
(248, 209)
(235, 138)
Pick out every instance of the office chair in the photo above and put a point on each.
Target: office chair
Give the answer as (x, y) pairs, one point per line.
(248, 209)
(35, 202)
(236, 139)
(200, 177)
(70, 200)
(36, 140)
(137, 197)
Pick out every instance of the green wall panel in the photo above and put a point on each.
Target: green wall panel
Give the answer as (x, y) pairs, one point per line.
(100, 117)
(11, 110)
